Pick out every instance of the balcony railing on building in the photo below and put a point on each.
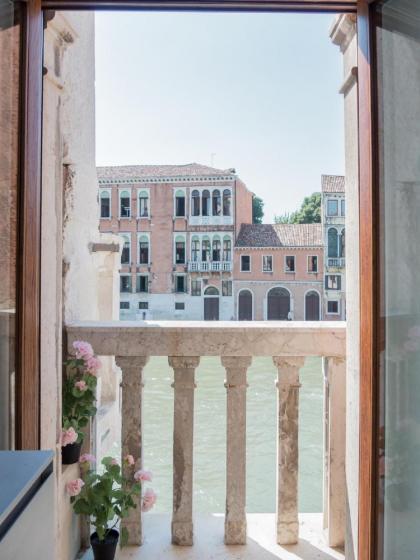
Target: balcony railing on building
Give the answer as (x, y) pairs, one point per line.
(288, 343)
(336, 262)
(210, 266)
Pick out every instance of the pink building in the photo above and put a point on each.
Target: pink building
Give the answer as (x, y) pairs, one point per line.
(278, 272)
(178, 225)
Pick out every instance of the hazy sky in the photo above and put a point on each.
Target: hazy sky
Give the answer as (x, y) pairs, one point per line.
(257, 92)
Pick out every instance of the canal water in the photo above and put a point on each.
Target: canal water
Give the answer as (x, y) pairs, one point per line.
(210, 435)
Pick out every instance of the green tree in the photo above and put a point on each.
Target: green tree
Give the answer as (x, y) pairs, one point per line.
(257, 210)
(309, 212)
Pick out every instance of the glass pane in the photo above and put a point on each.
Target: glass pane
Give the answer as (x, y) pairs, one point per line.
(398, 56)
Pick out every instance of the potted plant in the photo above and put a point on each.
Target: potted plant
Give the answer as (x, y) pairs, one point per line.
(79, 388)
(107, 498)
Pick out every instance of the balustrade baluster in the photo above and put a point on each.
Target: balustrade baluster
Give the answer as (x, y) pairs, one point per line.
(132, 432)
(236, 385)
(184, 385)
(287, 448)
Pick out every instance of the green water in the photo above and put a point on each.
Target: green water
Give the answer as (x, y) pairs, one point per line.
(210, 435)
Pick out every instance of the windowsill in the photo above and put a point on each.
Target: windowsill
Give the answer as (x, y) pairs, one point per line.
(143, 217)
(268, 271)
(311, 272)
(246, 271)
(290, 271)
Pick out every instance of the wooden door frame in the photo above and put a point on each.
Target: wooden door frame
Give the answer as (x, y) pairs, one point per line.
(28, 308)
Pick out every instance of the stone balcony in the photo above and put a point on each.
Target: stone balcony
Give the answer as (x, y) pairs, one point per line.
(209, 266)
(336, 262)
(236, 343)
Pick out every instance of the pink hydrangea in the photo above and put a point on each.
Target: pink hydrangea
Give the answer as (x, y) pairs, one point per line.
(129, 460)
(87, 458)
(92, 365)
(81, 385)
(74, 487)
(68, 436)
(143, 476)
(114, 462)
(148, 500)
(84, 350)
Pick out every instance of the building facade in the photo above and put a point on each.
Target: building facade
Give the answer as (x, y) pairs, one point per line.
(278, 272)
(333, 212)
(177, 226)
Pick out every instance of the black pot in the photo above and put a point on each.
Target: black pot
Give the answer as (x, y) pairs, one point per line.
(104, 550)
(70, 453)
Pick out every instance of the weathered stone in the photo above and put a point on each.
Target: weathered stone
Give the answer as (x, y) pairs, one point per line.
(184, 385)
(288, 448)
(131, 432)
(236, 384)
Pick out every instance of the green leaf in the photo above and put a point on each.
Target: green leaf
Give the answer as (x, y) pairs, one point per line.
(123, 537)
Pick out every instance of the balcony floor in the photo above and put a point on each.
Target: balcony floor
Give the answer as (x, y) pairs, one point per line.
(209, 541)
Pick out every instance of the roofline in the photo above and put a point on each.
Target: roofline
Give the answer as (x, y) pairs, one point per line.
(281, 247)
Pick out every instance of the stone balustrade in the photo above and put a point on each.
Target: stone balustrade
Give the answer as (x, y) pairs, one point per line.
(236, 343)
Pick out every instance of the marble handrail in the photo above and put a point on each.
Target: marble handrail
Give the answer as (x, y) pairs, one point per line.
(288, 343)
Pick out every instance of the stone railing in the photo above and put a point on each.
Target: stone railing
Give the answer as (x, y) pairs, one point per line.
(209, 266)
(236, 343)
(336, 262)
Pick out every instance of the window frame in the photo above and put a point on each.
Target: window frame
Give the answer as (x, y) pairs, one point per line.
(250, 261)
(336, 201)
(139, 198)
(130, 282)
(109, 193)
(122, 190)
(176, 278)
(229, 290)
(337, 301)
(317, 261)
(200, 283)
(139, 277)
(264, 270)
(178, 194)
(286, 270)
(339, 283)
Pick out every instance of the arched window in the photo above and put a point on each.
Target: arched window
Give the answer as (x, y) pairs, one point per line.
(227, 249)
(343, 243)
(216, 249)
(179, 250)
(195, 203)
(227, 201)
(105, 204)
(125, 253)
(125, 204)
(205, 249)
(144, 249)
(143, 204)
(180, 204)
(211, 291)
(245, 305)
(217, 203)
(332, 243)
(205, 203)
(312, 306)
(195, 249)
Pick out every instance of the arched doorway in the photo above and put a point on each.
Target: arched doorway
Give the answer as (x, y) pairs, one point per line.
(312, 306)
(211, 304)
(245, 305)
(278, 304)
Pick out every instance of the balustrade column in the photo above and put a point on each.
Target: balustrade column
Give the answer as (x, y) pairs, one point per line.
(184, 385)
(335, 480)
(287, 448)
(132, 432)
(236, 385)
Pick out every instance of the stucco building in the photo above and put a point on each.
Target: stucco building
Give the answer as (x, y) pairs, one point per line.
(333, 211)
(278, 272)
(177, 225)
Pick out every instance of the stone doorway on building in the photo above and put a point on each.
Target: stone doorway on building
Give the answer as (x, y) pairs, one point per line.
(278, 304)
(245, 305)
(312, 306)
(211, 304)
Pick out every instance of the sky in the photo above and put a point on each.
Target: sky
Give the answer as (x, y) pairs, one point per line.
(254, 92)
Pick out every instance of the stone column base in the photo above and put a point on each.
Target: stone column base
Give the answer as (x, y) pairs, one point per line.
(235, 532)
(182, 533)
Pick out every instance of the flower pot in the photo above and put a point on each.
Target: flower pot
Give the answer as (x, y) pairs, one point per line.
(70, 453)
(104, 550)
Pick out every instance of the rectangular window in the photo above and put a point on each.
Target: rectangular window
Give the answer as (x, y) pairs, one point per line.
(125, 284)
(180, 284)
(143, 207)
(332, 282)
(267, 263)
(142, 283)
(180, 206)
(124, 305)
(312, 263)
(290, 263)
(180, 252)
(332, 208)
(125, 211)
(144, 252)
(179, 306)
(332, 307)
(105, 205)
(343, 207)
(226, 287)
(143, 305)
(196, 287)
(245, 263)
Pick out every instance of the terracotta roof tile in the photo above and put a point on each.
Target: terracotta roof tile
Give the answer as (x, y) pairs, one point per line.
(333, 183)
(280, 235)
(142, 172)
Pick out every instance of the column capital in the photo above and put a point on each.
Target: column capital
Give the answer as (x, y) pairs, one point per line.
(128, 362)
(288, 362)
(184, 362)
(236, 362)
